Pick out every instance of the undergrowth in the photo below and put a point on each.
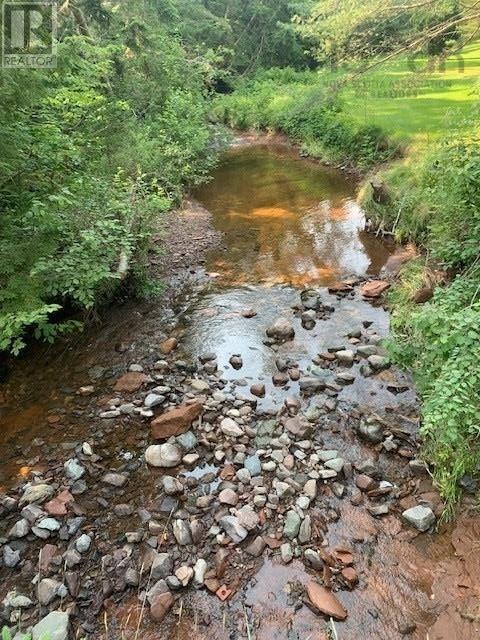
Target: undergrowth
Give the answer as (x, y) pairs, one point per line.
(436, 201)
(309, 111)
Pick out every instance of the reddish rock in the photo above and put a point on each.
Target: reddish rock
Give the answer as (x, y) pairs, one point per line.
(176, 421)
(161, 605)
(47, 553)
(375, 288)
(298, 427)
(58, 505)
(344, 556)
(350, 576)
(328, 356)
(272, 543)
(130, 382)
(365, 483)
(248, 313)
(325, 602)
(227, 472)
(340, 287)
(168, 345)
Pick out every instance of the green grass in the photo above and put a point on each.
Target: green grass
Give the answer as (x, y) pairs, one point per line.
(415, 107)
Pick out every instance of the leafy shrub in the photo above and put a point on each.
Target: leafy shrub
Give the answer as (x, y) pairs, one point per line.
(90, 157)
(440, 341)
(437, 202)
(309, 111)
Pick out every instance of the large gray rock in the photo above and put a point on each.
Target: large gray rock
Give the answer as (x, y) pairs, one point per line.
(48, 590)
(163, 455)
(37, 494)
(11, 557)
(171, 485)
(73, 469)
(253, 464)
(281, 329)
(378, 362)
(420, 517)
(54, 627)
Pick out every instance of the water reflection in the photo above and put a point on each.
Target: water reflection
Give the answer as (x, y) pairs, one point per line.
(286, 219)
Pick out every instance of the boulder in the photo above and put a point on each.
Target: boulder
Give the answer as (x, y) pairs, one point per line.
(374, 289)
(420, 517)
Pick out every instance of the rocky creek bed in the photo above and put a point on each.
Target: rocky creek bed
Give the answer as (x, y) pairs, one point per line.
(239, 463)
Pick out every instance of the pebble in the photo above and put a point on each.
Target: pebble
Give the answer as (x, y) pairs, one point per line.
(230, 428)
(199, 571)
(184, 574)
(36, 494)
(115, 479)
(305, 532)
(83, 543)
(228, 496)
(172, 486)
(162, 566)
(286, 552)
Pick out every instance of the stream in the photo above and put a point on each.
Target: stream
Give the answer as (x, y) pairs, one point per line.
(292, 247)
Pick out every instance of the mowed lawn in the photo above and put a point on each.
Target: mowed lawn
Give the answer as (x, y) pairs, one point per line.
(413, 104)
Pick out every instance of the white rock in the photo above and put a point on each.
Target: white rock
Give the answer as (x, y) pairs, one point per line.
(230, 428)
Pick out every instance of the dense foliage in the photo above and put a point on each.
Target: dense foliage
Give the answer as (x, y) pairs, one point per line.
(438, 204)
(348, 29)
(91, 154)
(309, 111)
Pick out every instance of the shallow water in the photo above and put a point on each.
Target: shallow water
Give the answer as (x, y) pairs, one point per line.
(287, 220)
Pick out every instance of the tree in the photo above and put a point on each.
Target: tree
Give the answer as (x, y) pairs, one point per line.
(343, 30)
